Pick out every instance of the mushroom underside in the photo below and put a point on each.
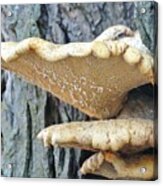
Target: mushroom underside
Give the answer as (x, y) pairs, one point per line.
(94, 77)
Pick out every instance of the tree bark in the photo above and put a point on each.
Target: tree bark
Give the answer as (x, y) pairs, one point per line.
(27, 109)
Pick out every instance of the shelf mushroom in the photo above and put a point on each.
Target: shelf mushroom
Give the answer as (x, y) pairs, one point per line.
(110, 139)
(94, 77)
(113, 166)
(106, 135)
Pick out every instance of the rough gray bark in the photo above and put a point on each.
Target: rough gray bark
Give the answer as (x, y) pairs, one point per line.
(27, 109)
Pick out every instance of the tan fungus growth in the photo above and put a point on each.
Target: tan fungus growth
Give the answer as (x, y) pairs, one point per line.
(112, 138)
(123, 135)
(113, 166)
(94, 77)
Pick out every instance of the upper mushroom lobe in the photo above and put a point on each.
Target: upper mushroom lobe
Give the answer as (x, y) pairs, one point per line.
(94, 77)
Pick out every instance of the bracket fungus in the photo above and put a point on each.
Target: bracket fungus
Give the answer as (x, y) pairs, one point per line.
(124, 136)
(113, 166)
(114, 135)
(94, 77)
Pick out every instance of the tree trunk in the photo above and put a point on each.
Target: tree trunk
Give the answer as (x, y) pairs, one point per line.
(27, 109)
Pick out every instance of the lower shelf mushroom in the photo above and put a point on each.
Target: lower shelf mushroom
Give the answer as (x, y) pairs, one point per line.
(113, 166)
(115, 135)
(110, 137)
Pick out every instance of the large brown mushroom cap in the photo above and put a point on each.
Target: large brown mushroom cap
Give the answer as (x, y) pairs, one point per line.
(94, 77)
